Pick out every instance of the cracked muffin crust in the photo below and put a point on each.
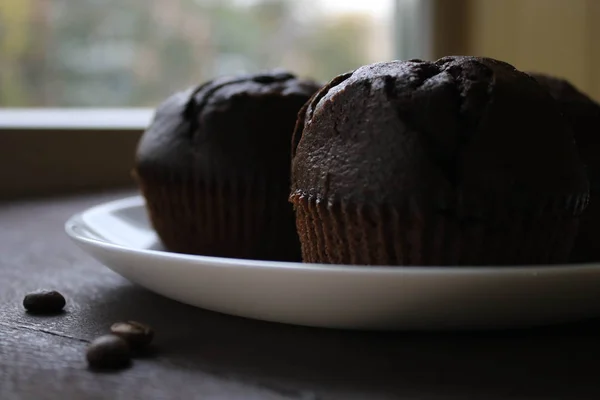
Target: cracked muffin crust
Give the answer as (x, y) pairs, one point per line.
(214, 167)
(462, 161)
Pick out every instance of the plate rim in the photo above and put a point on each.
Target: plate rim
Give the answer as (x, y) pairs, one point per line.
(77, 220)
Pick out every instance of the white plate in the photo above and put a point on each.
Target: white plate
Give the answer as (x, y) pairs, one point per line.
(426, 298)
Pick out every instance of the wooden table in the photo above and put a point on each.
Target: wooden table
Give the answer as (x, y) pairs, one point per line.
(204, 355)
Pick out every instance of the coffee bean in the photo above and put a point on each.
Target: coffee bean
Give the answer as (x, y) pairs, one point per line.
(108, 352)
(44, 302)
(136, 334)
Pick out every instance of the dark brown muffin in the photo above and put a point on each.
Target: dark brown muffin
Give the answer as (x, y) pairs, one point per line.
(583, 114)
(214, 167)
(462, 161)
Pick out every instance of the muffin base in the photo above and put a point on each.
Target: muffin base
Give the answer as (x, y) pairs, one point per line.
(334, 233)
(248, 219)
(587, 242)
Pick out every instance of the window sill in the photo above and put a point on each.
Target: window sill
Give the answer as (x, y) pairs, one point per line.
(50, 151)
(75, 118)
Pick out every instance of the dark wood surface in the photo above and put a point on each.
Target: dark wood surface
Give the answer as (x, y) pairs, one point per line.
(204, 355)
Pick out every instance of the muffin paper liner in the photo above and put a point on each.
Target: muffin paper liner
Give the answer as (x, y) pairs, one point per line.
(587, 244)
(342, 233)
(205, 215)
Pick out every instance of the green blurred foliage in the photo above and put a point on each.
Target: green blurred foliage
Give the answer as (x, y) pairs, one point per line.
(121, 53)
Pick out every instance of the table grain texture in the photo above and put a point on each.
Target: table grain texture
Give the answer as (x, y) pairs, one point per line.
(205, 355)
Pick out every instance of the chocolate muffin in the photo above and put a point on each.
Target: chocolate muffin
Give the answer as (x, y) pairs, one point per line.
(583, 115)
(462, 161)
(214, 167)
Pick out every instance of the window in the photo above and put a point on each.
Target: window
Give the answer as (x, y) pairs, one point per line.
(79, 78)
(134, 53)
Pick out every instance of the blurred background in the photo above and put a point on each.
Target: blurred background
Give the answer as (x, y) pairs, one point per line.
(133, 53)
(79, 78)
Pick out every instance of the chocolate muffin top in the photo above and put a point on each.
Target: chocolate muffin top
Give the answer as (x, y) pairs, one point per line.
(583, 114)
(230, 127)
(450, 133)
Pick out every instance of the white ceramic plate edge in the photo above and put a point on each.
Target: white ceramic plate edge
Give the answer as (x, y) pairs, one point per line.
(350, 297)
